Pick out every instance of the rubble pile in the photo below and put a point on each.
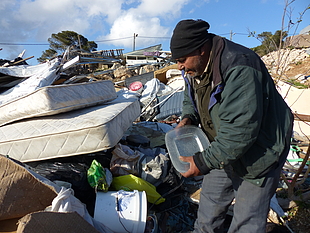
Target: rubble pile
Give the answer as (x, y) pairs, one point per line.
(71, 135)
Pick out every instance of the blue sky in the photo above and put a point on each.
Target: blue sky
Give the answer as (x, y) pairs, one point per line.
(27, 24)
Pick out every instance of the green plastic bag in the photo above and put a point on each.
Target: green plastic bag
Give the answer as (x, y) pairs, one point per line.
(97, 177)
(131, 182)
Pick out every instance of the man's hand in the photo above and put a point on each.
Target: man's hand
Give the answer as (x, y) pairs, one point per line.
(193, 170)
(184, 121)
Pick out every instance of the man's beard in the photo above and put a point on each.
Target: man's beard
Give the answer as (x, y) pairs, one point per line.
(198, 68)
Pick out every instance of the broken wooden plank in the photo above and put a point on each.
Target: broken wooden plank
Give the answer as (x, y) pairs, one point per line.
(301, 117)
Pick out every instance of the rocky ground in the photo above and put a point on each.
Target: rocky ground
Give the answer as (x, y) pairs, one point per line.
(289, 65)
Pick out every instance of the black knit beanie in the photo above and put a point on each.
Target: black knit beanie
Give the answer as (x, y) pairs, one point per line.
(188, 35)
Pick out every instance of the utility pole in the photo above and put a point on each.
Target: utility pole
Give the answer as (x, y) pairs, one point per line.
(79, 41)
(231, 34)
(134, 41)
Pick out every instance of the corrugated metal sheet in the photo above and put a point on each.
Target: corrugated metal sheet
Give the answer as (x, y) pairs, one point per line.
(143, 78)
(173, 106)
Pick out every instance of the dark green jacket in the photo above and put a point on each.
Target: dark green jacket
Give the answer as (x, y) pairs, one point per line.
(240, 110)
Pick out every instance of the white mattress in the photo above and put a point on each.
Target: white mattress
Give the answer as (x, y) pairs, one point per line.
(77, 132)
(56, 99)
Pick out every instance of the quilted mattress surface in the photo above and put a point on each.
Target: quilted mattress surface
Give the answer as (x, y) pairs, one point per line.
(76, 132)
(56, 99)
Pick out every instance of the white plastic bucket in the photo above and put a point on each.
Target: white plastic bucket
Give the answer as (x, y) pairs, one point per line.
(122, 211)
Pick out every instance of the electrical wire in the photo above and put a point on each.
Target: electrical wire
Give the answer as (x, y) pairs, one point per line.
(98, 41)
(4, 43)
(102, 41)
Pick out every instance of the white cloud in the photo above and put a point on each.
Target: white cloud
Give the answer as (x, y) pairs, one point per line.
(145, 20)
(130, 23)
(163, 8)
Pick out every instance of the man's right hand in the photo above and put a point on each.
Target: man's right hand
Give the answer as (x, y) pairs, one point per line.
(184, 121)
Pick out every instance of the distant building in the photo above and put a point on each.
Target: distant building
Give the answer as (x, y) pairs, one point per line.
(150, 54)
(305, 31)
(299, 41)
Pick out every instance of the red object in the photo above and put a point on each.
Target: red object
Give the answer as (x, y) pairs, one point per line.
(135, 86)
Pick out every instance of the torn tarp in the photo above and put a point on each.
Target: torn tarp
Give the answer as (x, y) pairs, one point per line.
(38, 76)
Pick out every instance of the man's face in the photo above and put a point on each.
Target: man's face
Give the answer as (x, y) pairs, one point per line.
(193, 64)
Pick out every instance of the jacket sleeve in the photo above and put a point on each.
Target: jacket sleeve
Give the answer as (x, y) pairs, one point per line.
(238, 114)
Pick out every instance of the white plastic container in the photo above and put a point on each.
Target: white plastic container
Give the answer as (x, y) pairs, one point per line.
(122, 211)
(185, 141)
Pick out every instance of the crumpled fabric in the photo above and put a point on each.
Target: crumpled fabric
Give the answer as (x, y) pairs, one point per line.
(124, 160)
(152, 89)
(67, 202)
(125, 198)
(154, 169)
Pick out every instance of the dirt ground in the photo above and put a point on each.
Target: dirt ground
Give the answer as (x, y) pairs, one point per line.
(299, 221)
(301, 68)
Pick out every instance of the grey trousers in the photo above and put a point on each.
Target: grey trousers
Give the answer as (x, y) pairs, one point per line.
(252, 203)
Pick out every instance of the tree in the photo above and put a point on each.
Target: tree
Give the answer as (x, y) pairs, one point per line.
(270, 42)
(61, 41)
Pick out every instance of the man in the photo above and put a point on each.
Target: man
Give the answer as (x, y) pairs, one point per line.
(231, 95)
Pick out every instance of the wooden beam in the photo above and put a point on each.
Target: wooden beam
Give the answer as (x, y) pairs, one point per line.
(301, 117)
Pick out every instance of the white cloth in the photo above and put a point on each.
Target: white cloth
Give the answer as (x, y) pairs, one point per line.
(67, 202)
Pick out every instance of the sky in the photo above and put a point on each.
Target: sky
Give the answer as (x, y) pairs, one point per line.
(112, 24)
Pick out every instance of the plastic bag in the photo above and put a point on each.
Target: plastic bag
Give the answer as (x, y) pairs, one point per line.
(74, 173)
(131, 182)
(98, 177)
(124, 160)
(153, 169)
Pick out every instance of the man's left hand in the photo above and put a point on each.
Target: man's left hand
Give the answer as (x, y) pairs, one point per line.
(193, 170)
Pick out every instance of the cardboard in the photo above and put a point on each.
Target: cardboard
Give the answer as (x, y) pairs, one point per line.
(20, 192)
(161, 74)
(54, 222)
(9, 225)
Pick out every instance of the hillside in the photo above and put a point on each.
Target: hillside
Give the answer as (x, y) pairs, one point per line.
(290, 64)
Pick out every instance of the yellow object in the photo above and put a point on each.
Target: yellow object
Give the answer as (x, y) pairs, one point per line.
(131, 182)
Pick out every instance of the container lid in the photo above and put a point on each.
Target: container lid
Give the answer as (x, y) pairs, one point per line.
(185, 141)
(135, 86)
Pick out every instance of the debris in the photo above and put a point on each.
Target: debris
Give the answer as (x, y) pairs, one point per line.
(39, 76)
(98, 177)
(126, 207)
(70, 133)
(22, 192)
(131, 182)
(54, 222)
(61, 116)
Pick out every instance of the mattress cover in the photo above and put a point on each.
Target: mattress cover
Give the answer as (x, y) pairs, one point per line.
(76, 132)
(56, 99)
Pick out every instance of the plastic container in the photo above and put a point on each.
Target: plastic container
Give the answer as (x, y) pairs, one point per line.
(185, 141)
(136, 86)
(122, 211)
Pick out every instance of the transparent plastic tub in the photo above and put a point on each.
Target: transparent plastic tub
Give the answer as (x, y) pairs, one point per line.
(185, 141)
